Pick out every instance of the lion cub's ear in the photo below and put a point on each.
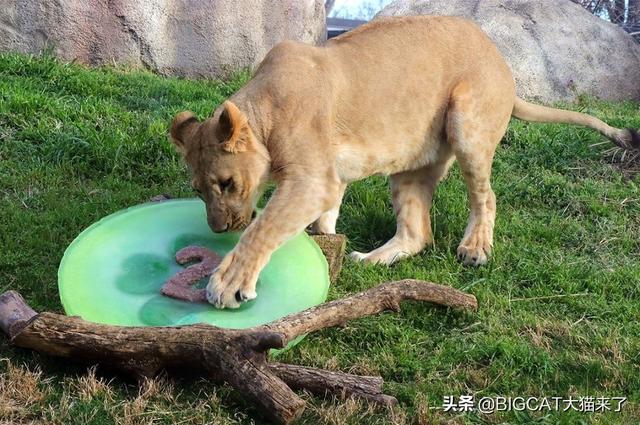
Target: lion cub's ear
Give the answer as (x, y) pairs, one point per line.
(234, 129)
(183, 128)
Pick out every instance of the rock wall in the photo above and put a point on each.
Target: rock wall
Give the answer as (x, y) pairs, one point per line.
(556, 49)
(193, 38)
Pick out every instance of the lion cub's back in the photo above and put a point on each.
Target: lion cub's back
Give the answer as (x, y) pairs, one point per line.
(417, 43)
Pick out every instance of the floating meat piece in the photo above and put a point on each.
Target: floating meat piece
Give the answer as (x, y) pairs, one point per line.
(180, 286)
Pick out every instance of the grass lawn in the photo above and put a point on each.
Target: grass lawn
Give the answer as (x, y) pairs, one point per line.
(559, 302)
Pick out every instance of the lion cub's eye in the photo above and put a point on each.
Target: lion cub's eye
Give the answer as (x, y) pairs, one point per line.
(227, 185)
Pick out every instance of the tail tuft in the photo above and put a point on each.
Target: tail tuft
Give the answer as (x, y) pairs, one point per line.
(627, 139)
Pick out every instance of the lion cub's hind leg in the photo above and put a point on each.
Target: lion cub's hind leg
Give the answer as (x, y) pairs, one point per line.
(475, 126)
(477, 242)
(412, 193)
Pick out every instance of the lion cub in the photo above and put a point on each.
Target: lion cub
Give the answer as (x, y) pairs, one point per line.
(402, 97)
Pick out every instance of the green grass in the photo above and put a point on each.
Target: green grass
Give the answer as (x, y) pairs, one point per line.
(559, 302)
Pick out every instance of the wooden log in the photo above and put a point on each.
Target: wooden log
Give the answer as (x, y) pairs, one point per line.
(386, 296)
(333, 247)
(235, 356)
(344, 385)
(238, 357)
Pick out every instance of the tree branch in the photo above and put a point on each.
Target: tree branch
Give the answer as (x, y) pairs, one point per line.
(238, 357)
(386, 296)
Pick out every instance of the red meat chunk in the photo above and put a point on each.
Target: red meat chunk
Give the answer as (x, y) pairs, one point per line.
(180, 285)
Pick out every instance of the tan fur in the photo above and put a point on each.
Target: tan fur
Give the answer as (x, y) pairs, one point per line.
(400, 96)
(237, 128)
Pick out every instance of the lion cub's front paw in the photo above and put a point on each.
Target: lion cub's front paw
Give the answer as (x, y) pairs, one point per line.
(232, 283)
(379, 256)
(366, 257)
(358, 256)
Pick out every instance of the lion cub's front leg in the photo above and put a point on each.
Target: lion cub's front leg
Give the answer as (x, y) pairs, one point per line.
(296, 203)
(412, 193)
(326, 223)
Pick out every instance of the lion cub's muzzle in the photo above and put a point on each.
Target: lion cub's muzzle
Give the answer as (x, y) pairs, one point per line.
(218, 227)
(221, 223)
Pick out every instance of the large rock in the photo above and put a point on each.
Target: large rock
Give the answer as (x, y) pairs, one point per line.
(175, 37)
(556, 49)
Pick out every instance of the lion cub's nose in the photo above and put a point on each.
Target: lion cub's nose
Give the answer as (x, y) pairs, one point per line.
(218, 227)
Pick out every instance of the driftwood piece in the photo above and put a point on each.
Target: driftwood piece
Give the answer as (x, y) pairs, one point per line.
(238, 357)
(332, 247)
(321, 382)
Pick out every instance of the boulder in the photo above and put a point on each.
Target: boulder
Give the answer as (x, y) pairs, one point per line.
(191, 38)
(556, 49)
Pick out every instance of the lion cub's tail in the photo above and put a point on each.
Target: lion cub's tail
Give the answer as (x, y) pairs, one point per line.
(625, 138)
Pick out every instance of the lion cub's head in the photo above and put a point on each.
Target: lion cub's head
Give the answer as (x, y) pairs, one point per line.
(228, 165)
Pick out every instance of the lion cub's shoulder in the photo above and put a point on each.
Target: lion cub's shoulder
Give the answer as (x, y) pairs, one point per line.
(292, 53)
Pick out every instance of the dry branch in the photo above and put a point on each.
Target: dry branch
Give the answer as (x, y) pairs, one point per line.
(238, 357)
(321, 382)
